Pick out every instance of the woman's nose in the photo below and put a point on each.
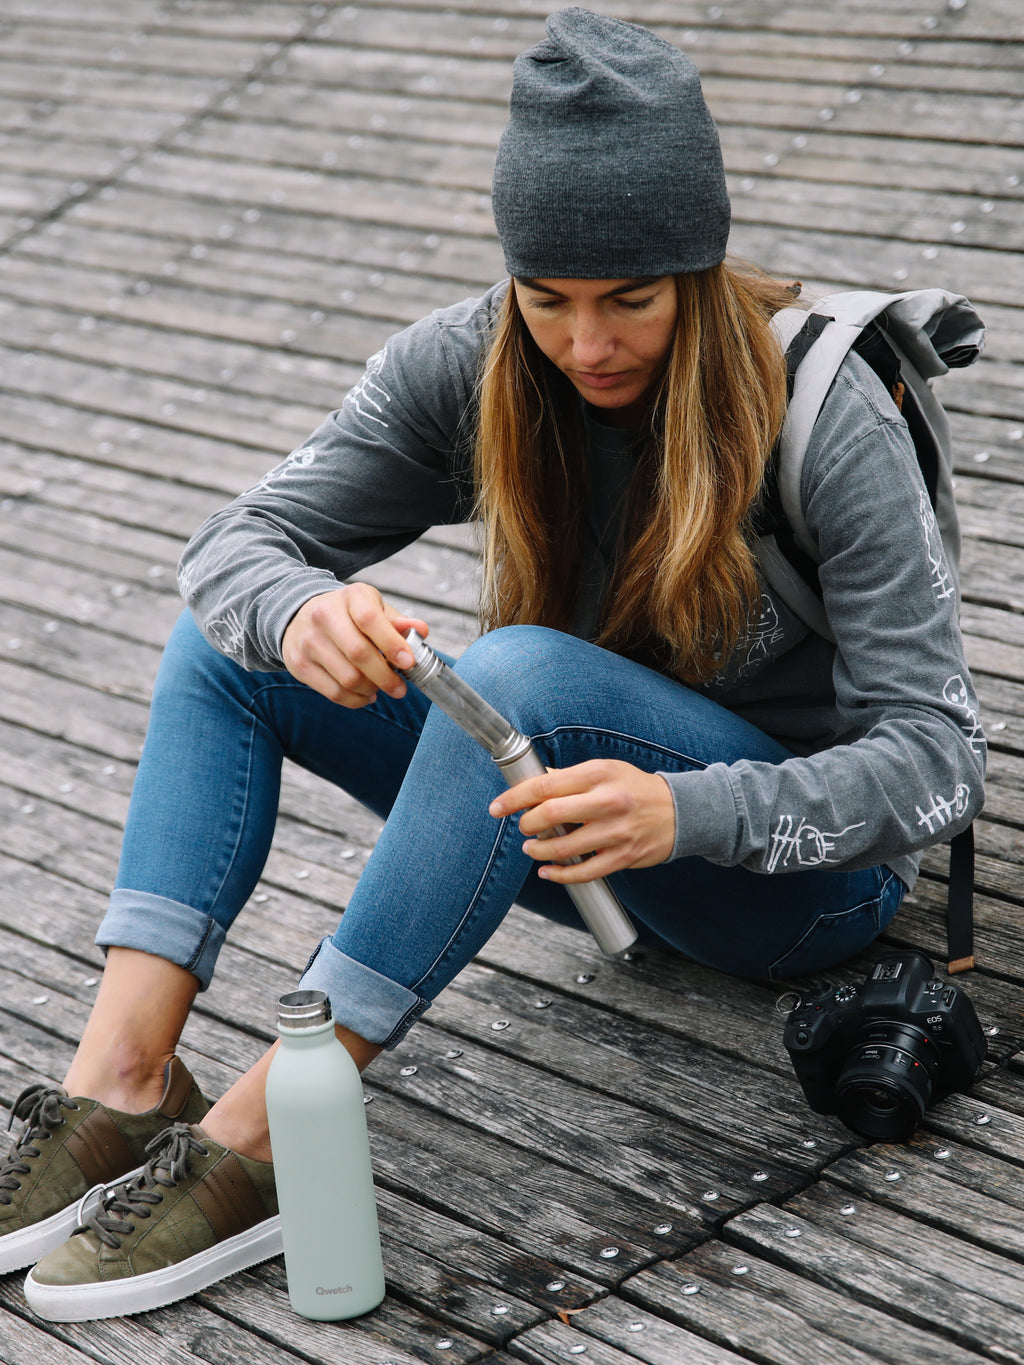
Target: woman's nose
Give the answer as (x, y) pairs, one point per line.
(592, 343)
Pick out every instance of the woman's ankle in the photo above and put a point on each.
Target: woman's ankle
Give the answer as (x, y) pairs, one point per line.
(238, 1120)
(123, 1079)
(245, 1134)
(132, 1031)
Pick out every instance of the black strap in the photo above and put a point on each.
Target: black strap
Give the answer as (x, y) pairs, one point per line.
(960, 905)
(874, 346)
(801, 344)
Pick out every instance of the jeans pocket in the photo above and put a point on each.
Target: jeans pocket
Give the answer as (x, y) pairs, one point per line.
(840, 934)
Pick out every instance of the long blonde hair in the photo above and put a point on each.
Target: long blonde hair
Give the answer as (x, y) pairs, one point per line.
(684, 581)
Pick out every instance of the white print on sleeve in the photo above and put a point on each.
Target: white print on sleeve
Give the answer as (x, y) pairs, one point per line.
(942, 582)
(803, 844)
(955, 692)
(942, 811)
(228, 634)
(298, 459)
(185, 576)
(369, 397)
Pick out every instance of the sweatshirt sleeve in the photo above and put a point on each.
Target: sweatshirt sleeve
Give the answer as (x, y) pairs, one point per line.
(389, 464)
(906, 766)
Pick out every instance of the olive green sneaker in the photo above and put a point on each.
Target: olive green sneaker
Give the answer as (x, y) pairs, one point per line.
(69, 1150)
(196, 1213)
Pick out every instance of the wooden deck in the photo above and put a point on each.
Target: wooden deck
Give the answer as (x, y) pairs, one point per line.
(211, 212)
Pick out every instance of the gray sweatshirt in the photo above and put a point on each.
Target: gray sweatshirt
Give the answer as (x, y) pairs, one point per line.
(888, 755)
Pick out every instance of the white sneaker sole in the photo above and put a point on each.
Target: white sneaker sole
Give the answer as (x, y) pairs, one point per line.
(140, 1293)
(31, 1244)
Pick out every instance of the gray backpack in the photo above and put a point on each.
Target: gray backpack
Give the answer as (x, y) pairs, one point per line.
(908, 339)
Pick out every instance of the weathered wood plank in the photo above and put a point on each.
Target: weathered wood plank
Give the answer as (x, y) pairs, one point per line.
(275, 227)
(744, 1302)
(704, 1008)
(917, 217)
(28, 1342)
(613, 1332)
(930, 1250)
(921, 921)
(925, 1297)
(521, 1195)
(823, 157)
(710, 1093)
(941, 1183)
(257, 1302)
(471, 1279)
(580, 1128)
(884, 262)
(390, 294)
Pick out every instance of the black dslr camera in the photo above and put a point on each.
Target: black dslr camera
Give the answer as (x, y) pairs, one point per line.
(878, 1054)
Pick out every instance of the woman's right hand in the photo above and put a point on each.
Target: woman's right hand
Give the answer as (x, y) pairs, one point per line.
(346, 643)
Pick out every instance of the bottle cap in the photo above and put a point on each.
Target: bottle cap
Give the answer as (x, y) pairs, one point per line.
(303, 1009)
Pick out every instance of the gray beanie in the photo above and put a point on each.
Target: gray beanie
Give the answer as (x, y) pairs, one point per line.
(610, 165)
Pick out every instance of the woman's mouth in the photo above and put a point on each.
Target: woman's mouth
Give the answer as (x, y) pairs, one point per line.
(600, 381)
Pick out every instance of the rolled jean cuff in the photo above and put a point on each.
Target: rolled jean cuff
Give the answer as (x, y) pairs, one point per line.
(165, 928)
(371, 1005)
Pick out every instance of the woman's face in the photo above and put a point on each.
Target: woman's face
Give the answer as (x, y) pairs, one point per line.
(608, 337)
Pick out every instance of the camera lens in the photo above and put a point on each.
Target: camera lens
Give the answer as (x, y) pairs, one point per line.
(886, 1082)
(879, 1099)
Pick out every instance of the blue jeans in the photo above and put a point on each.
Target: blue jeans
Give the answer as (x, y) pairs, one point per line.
(444, 873)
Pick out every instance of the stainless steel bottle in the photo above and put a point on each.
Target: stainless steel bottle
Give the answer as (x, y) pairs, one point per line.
(597, 903)
(332, 1253)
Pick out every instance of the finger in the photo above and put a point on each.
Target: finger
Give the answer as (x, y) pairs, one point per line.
(328, 649)
(320, 640)
(326, 683)
(384, 628)
(604, 847)
(533, 790)
(520, 797)
(397, 652)
(575, 874)
(561, 847)
(615, 798)
(365, 635)
(581, 808)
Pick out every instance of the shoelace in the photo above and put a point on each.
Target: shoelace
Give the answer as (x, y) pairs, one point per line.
(168, 1165)
(39, 1106)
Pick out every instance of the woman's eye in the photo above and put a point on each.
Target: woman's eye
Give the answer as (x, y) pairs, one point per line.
(636, 304)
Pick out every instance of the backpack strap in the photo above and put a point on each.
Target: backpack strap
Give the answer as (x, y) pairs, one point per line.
(810, 331)
(778, 564)
(930, 330)
(814, 353)
(960, 902)
(784, 562)
(907, 339)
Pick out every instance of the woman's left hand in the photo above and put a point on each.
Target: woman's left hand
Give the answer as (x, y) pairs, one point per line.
(622, 816)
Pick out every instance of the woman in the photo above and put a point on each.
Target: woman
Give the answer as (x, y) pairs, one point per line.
(608, 414)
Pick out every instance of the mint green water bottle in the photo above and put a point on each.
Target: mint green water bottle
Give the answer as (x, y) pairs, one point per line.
(322, 1168)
